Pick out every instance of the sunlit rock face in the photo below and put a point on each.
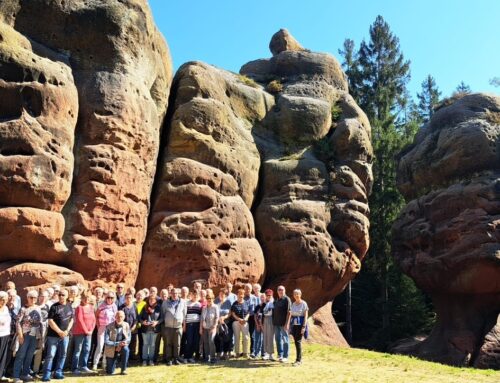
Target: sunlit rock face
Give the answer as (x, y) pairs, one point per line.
(447, 238)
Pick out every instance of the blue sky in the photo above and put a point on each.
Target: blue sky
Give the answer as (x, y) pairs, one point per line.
(453, 40)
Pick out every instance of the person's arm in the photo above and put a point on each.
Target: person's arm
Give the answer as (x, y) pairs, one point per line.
(107, 341)
(306, 314)
(79, 318)
(161, 318)
(128, 336)
(217, 316)
(289, 313)
(56, 328)
(19, 328)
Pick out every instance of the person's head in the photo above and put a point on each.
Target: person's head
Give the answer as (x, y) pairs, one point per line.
(129, 299)
(210, 298)
(256, 289)
(197, 286)
(281, 291)
(269, 295)
(92, 300)
(119, 317)
(50, 291)
(3, 298)
(210, 291)
(170, 286)
(174, 294)
(110, 298)
(241, 294)
(10, 285)
(152, 300)
(164, 294)
(131, 290)
(120, 289)
(222, 294)
(262, 297)
(84, 298)
(139, 296)
(203, 295)
(145, 292)
(153, 291)
(297, 294)
(56, 289)
(63, 296)
(43, 297)
(99, 292)
(11, 296)
(229, 287)
(73, 292)
(248, 289)
(184, 292)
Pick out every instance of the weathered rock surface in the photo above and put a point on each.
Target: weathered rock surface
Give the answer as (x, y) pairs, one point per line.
(324, 330)
(448, 236)
(79, 132)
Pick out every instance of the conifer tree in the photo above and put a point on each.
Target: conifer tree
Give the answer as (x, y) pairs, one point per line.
(428, 98)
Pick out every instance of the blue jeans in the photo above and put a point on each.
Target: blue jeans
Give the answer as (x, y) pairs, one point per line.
(59, 345)
(282, 342)
(24, 356)
(148, 346)
(123, 356)
(81, 351)
(192, 339)
(258, 340)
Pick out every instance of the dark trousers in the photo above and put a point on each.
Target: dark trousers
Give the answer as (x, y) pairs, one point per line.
(122, 356)
(297, 338)
(4, 352)
(133, 346)
(192, 336)
(141, 344)
(158, 340)
(173, 342)
(251, 329)
(227, 344)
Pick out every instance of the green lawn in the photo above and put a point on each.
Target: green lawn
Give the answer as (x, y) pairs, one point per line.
(320, 364)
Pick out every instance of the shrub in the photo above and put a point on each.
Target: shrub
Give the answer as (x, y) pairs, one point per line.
(336, 112)
(247, 81)
(274, 87)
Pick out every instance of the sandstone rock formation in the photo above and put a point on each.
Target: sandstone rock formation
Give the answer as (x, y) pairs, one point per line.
(300, 160)
(448, 236)
(84, 88)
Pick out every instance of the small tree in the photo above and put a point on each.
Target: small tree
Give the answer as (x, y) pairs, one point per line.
(428, 98)
(462, 89)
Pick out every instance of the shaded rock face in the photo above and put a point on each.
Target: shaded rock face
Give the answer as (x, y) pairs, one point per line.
(83, 98)
(448, 236)
(236, 153)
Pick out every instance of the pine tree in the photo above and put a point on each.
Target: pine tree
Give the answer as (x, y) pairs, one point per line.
(350, 66)
(462, 89)
(428, 99)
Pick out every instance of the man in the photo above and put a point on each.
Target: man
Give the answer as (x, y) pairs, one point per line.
(281, 314)
(252, 301)
(120, 295)
(60, 323)
(163, 297)
(154, 292)
(197, 287)
(11, 290)
(185, 293)
(130, 311)
(43, 303)
(173, 320)
(55, 296)
(230, 295)
(116, 341)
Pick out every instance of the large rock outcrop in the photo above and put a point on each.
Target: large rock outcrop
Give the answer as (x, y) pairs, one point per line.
(84, 87)
(448, 236)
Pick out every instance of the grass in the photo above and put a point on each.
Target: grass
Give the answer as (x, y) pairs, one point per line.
(247, 81)
(274, 87)
(320, 364)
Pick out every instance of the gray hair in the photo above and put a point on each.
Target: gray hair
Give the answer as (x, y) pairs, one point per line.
(297, 291)
(3, 295)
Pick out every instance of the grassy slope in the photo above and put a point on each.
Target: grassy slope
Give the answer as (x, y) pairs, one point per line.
(321, 364)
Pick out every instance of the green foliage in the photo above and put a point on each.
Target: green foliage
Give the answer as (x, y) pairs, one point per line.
(462, 89)
(379, 74)
(323, 149)
(247, 81)
(336, 112)
(274, 87)
(428, 99)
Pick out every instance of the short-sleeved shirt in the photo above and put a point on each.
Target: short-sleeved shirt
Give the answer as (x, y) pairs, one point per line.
(61, 315)
(297, 311)
(240, 309)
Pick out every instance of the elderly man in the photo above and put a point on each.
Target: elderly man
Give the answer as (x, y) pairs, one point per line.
(43, 303)
(60, 324)
(281, 317)
(120, 295)
(173, 320)
(117, 339)
(252, 302)
(11, 290)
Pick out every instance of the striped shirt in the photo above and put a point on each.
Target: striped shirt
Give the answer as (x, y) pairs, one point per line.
(193, 312)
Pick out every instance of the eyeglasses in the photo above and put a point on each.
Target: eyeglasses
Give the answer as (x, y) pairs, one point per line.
(32, 297)
(209, 299)
(120, 287)
(110, 298)
(62, 294)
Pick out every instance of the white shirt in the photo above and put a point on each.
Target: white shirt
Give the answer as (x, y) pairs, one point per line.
(4, 321)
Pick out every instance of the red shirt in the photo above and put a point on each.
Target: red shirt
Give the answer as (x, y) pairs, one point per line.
(84, 320)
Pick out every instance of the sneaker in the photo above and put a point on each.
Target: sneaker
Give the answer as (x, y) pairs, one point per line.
(76, 372)
(86, 370)
(94, 367)
(181, 360)
(176, 362)
(27, 378)
(266, 357)
(17, 380)
(280, 359)
(4, 379)
(271, 358)
(169, 363)
(297, 363)
(244, 356)
(191, 361)
(124, 372)
(284, 360)
(58, 376)
(213, 361)
(252, 356)
(151, 363)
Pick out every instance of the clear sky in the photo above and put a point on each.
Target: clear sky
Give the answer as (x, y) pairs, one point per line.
(453, 40)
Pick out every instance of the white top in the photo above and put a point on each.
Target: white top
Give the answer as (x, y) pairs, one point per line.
(4, 321)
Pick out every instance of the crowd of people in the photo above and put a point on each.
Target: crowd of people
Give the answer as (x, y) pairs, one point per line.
(72, 329)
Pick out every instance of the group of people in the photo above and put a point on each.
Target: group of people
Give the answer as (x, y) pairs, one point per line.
(60, 329)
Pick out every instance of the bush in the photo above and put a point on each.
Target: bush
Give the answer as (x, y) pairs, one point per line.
(274, 87)
(247, 81)
(336, 112)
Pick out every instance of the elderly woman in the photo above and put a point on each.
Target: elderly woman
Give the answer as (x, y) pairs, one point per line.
(267, 326)
(149, 318)
(298, 322)
(105, 315)
(240, 313)
(224, 339)
(5, 326)
(208, 327)
(85, 322)
(28, 330)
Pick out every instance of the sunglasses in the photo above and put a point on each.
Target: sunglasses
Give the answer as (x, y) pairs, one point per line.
(268, 295)
(32, 297)
(62, 294)
(110, 298)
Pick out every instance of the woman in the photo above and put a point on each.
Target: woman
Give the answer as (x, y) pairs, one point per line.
(298, 322)
(267, 326)
(131, 317)
(5, 326)
(224, 339)
(240, 314)
(193, 317)
(28, 329)
(85, 322)
(105, 315)
(140, 303)
(149, 324)
(258, 334)
(208, 327)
